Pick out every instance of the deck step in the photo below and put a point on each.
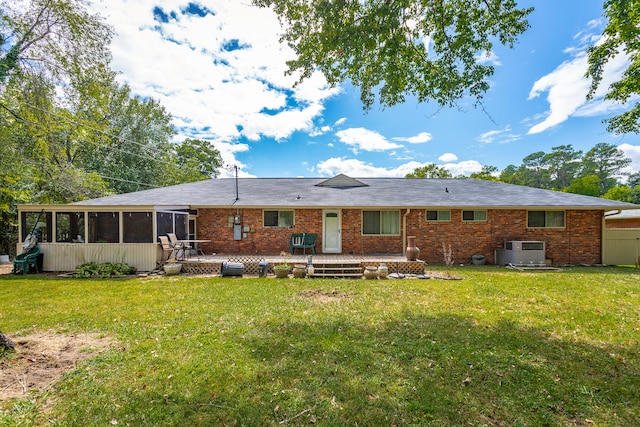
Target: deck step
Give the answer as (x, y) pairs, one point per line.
(337, 270)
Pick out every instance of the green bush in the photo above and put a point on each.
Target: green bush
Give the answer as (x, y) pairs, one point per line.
(105, 269)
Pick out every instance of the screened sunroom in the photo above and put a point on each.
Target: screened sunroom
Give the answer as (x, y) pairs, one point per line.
(70, 235)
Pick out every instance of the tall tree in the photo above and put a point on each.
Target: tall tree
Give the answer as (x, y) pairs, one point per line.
(606, 162)
(429, 171)
(562, 164)
(199, 157)
(534, 171)
(622, 34)
(488, 173)
(57, 38)
(426, 49)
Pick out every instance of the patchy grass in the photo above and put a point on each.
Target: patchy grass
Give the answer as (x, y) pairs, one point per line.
(496, 348)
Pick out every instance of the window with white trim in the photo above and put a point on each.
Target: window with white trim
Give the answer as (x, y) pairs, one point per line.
(545, 219)
(474, 216)
(438, 216)
(278, 218)
(381, 222)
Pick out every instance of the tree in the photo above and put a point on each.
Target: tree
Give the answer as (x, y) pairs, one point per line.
(622, 193)
(57, 38)
(588, 185)
(606, 162)
(200, 157)
(488, 173)
(429, 171)
(622, 34)
(562, 164)
(429, 50)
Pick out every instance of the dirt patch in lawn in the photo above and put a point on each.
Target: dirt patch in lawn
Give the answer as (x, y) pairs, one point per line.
(323, 296)
(40, 359)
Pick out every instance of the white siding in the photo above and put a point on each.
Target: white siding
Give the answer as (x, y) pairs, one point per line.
(67, 256)
(621, 246)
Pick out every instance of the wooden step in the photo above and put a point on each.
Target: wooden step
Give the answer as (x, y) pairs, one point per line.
(337, 270)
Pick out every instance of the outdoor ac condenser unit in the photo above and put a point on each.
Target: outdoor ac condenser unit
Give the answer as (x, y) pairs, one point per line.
(521, 252)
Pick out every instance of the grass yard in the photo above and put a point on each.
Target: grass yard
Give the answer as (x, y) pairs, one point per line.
(498, 348)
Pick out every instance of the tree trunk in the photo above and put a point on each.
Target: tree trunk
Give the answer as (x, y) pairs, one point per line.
(5, 343)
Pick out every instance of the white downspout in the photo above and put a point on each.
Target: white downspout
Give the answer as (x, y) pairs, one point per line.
(404, 231)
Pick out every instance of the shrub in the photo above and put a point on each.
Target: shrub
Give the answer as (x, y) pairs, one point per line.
(105, 269)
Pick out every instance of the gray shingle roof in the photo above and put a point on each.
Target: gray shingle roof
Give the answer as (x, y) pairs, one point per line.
(375, 192)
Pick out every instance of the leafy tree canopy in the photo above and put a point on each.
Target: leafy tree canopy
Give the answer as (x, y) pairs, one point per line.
(430, 171)
(399, 48)
(622, 34)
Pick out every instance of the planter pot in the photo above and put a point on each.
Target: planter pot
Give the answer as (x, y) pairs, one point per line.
(281, 273)
(172, 269)
(370, 272)
(478, 259)
(299, 271)
(383, 271)
(412, 250)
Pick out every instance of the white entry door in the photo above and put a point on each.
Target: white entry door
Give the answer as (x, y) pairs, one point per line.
(332, 231)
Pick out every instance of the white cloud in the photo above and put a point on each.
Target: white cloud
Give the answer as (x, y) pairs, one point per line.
(358, 168)
(220, 75)
(498, 136)
(463, 168)
(365, 139)
(340, 121)
(632, 152)
(567, 88)
(281, 125)
(420, 138)
(448, 157)
(228, 154)
(488, 57)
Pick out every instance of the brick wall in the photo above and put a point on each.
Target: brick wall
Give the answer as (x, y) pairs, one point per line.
(579, 242)
(623, 223)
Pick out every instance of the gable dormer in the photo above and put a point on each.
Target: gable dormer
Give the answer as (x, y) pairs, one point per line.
(341, 181)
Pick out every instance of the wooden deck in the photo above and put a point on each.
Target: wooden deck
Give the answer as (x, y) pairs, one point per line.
(325, 265)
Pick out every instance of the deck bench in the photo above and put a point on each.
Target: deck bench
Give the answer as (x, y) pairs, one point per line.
(303, 241)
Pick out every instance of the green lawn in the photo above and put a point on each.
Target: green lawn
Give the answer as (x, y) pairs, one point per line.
(497, 348)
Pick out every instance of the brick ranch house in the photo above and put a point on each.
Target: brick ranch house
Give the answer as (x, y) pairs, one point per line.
(350, 216)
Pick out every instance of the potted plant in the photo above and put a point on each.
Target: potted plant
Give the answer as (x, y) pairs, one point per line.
(282, 270)
(172, 267)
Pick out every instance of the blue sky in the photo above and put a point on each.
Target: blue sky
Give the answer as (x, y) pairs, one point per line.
(218, 68)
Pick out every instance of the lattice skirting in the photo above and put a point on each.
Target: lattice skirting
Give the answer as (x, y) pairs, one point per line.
(402, 267)
(251, 266)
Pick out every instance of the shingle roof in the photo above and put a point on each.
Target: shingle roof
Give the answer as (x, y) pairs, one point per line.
(374, 192)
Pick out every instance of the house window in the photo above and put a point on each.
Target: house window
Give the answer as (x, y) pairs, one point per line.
(282, 219)
(104, 227)
(474, 215)
(545, 219)
(438, 216)
(70, 227)
(381, 222)
(137, 227)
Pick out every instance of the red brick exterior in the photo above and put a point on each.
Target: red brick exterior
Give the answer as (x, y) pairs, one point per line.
(580, 241)
(623, 223)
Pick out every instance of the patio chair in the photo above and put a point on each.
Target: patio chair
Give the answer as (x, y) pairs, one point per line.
(24, 261)
(180, 247)
(167, 247)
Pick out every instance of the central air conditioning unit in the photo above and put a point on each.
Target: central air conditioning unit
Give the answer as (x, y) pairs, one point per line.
(521, 253)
